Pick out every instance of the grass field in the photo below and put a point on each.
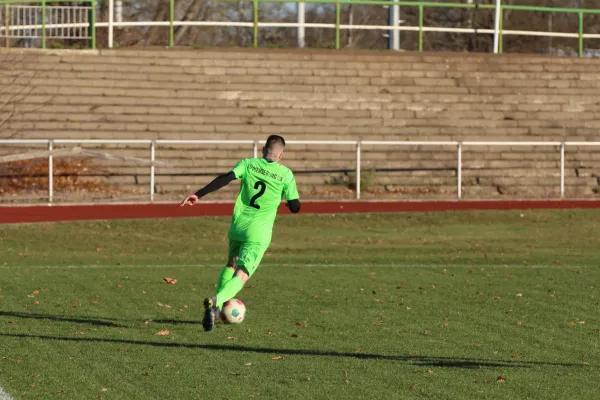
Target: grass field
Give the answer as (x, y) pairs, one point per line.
(456, 305)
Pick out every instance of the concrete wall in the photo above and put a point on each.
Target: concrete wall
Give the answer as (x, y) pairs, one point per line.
(325, 95)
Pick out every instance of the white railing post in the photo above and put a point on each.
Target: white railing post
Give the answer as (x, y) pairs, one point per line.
(358, 170)
(395, 23)
(459, 170)
(152, 170)
(301, 14)
(255, 149)
(50, 172)
(562, 170)
(111, 16)
(497, 27)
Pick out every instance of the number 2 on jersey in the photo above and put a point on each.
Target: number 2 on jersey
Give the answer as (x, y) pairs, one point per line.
(262, 187)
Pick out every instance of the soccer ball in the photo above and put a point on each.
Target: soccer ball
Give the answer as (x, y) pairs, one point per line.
(233, 311)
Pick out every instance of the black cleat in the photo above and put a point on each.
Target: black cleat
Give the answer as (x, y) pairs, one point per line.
(209, 314)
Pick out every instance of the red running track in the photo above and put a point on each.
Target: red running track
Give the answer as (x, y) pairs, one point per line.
(19, 214)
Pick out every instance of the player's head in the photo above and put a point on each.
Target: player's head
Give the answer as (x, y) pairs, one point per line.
(274, 147)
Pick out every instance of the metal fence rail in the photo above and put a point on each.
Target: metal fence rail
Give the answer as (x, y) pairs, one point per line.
(154, 144)
(36, 19)
(9, 28)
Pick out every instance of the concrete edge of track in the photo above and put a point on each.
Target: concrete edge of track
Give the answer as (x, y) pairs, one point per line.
(47, 213)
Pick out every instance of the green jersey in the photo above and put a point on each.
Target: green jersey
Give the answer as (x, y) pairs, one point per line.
(264, 183)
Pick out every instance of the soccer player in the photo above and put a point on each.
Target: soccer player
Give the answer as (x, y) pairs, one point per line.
(264, 183)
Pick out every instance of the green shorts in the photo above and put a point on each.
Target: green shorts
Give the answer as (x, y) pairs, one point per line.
(249, 254)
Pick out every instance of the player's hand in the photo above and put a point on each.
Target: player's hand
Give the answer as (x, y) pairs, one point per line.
(190, 200)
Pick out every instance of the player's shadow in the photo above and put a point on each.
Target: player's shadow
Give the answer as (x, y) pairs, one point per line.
(177, 321)
(88, 321)
(418, 360)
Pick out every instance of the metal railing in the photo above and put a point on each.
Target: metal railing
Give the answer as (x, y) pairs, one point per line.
(36, 19)
(497, 30)
(154, 144)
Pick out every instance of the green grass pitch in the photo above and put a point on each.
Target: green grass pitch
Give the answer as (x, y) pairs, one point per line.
(454, 305)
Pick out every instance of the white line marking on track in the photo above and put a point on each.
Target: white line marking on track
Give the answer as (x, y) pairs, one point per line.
(4, 395)
(98, 266)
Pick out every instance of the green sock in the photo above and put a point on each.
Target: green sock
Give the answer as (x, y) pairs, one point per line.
(226, 275)
(229, 290)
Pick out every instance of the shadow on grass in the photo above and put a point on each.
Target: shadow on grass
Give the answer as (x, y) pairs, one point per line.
(177, 321)
(97, 322)
(418, 360)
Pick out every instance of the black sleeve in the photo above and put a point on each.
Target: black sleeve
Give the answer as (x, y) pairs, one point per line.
(219, 182)
(294, 206)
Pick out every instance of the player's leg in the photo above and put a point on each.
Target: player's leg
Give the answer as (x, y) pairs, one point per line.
(229, 269)
(226, 274)
(250, 257)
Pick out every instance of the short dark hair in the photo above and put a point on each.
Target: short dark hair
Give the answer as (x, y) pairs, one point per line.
(274, 140)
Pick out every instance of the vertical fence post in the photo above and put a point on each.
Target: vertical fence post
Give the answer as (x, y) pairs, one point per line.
(255, 20)
(50, 172)
(562, 170)
(255, 149)
(395, 22)
(171, 23)
(459, 170)
(500, 28)
(7, 20)
(43, 24)
(497, 27)
(301, 18)
(111, 16)
(358, 170)
(420, 27)
(338, 12)
(580, 34)
(152, 170)
(93, 23)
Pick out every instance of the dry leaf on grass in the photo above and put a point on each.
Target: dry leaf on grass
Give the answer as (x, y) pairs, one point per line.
(500, 379)
(170, 281)
(276, 358)
(164, 332)
(248, 364)
(299, 325)
(429, 371)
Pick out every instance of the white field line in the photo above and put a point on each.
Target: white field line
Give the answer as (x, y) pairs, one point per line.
(283, 265)
(4, 395)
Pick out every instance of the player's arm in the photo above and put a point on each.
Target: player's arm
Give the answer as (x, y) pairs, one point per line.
(291, 195)
(218, 183)
(294, 205)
